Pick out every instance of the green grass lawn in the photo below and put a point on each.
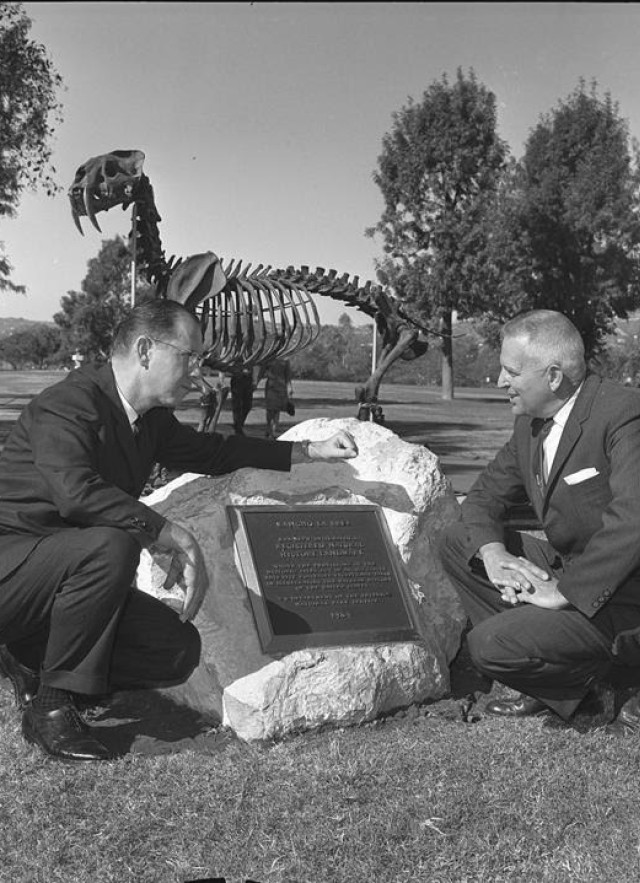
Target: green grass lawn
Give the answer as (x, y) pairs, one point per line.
(437, 793)
(424, 798)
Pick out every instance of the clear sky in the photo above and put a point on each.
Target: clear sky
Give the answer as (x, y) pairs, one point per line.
(262, 122)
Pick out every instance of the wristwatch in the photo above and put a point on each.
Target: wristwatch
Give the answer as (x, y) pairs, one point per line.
(304, 445)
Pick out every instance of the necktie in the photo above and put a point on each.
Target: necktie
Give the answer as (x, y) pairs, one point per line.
(540, 430)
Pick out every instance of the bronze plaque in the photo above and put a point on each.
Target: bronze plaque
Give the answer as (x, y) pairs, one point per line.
(321, 576)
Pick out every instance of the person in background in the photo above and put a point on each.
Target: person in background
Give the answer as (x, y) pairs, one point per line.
(278, 392)
(241, 385)
(212, 398)
(208, 406)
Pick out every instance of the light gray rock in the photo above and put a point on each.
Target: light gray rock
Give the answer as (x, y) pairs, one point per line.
(260, 697)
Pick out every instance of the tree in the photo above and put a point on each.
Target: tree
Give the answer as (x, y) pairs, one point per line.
(438, 172)
(89, 318)
(28, 105)
(570, 224)
(36, 347)
(341, 353)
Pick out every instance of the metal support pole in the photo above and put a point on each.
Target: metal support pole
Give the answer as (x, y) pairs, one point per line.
(134, 248)
(374, 349)
(374, 360)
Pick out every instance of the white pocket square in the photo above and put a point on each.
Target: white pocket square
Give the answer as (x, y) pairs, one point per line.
(581, 475)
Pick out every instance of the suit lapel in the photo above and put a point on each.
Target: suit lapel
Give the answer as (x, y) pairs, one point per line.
(103, 377)
(537, 437)
(573, 427)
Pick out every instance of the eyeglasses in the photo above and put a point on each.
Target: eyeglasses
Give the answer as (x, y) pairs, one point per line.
(195, 360)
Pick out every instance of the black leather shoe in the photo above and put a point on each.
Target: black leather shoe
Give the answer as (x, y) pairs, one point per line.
(628, 719)
(25, 681)
(62, 734)
(521, 706)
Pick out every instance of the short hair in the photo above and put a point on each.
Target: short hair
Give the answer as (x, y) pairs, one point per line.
(552, 337)
(157, 318)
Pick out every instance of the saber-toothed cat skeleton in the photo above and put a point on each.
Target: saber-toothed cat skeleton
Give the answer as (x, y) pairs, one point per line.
(248, 316)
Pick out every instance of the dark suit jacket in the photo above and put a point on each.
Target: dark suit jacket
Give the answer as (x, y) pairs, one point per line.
(72, 461)
(593, 519)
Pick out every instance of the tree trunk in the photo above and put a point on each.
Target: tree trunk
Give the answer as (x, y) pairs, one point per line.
(446, 323)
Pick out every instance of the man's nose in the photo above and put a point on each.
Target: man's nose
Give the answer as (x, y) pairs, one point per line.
(502, 380)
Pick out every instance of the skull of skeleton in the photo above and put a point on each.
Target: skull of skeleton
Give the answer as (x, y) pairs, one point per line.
(104, 181)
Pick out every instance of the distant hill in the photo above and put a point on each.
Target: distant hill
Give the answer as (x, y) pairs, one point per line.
(8, 326)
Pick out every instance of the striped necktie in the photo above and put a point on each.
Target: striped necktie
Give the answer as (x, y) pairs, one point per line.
(540, 430)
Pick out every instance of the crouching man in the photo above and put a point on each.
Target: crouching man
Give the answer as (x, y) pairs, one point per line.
(551, 618)
(72, 527)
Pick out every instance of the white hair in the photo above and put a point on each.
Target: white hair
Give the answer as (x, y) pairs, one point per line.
(553, 339)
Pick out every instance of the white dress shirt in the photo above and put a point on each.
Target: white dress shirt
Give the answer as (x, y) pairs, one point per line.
(551, 442)
(130, 411)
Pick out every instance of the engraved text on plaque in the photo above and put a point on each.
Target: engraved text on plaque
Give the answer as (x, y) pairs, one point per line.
(321, 575)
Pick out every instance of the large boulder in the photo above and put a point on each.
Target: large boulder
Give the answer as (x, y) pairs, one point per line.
(261, 697)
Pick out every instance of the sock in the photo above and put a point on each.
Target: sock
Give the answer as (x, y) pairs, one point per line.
(50, 698)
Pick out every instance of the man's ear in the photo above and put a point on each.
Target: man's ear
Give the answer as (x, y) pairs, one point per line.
(556, 376)
(143, 350)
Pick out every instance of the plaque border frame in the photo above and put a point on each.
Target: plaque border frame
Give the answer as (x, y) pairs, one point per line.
(281, 645)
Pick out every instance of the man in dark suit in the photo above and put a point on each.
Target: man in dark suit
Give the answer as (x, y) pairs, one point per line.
(72, 527)
(553, 617)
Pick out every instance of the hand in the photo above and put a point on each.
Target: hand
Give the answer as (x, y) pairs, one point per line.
(510, 574)
(187, 567)
(340, 446)
(543, 594)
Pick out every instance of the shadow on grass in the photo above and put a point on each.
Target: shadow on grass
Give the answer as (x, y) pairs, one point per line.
(146, 722)
(149, 723)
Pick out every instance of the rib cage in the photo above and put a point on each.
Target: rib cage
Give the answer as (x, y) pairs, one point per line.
(256, 318)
